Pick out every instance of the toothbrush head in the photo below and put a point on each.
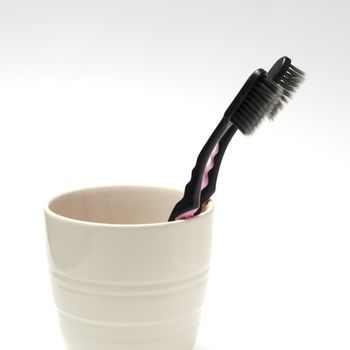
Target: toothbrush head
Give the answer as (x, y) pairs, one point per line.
(258, 98)
(289, 77)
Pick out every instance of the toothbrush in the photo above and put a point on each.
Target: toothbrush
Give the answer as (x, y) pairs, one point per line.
(258, 97)
(289, 78)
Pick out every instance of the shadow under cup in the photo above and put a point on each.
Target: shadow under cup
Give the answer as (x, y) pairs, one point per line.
(123, 277)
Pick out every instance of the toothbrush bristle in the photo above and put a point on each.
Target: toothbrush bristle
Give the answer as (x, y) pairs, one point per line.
(289, 81)
(261, 101)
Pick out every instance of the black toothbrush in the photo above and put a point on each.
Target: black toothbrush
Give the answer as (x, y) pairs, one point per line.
(288, 78)
(258, 97)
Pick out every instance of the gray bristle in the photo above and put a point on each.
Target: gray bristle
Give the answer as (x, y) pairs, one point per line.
(297, 70)
(289, 83)
(261, 101)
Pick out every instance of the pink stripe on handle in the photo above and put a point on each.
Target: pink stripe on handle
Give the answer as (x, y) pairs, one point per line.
(205, 180)
(187, 215)
(210, 165)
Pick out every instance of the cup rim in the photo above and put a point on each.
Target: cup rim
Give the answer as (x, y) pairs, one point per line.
(49, 212)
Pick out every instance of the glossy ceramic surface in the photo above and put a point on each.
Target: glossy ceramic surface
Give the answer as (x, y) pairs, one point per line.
(123, 277)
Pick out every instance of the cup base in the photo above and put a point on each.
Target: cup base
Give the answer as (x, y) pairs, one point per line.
(88, 335)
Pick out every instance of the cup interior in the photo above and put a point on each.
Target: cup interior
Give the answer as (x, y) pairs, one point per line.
(117, 205)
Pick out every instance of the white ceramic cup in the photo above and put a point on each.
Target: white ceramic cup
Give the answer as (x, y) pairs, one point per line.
(123, 277)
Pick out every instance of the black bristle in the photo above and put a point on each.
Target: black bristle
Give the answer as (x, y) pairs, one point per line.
(261, 101)
(289, 79)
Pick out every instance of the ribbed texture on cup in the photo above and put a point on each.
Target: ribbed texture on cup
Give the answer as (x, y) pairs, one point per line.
(126, 302)
(129, 290)
(121, 316)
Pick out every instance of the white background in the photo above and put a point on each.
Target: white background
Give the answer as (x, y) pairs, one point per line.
(127, 92)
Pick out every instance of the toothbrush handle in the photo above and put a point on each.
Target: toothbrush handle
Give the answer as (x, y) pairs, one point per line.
(209, 190)
(191, 199)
